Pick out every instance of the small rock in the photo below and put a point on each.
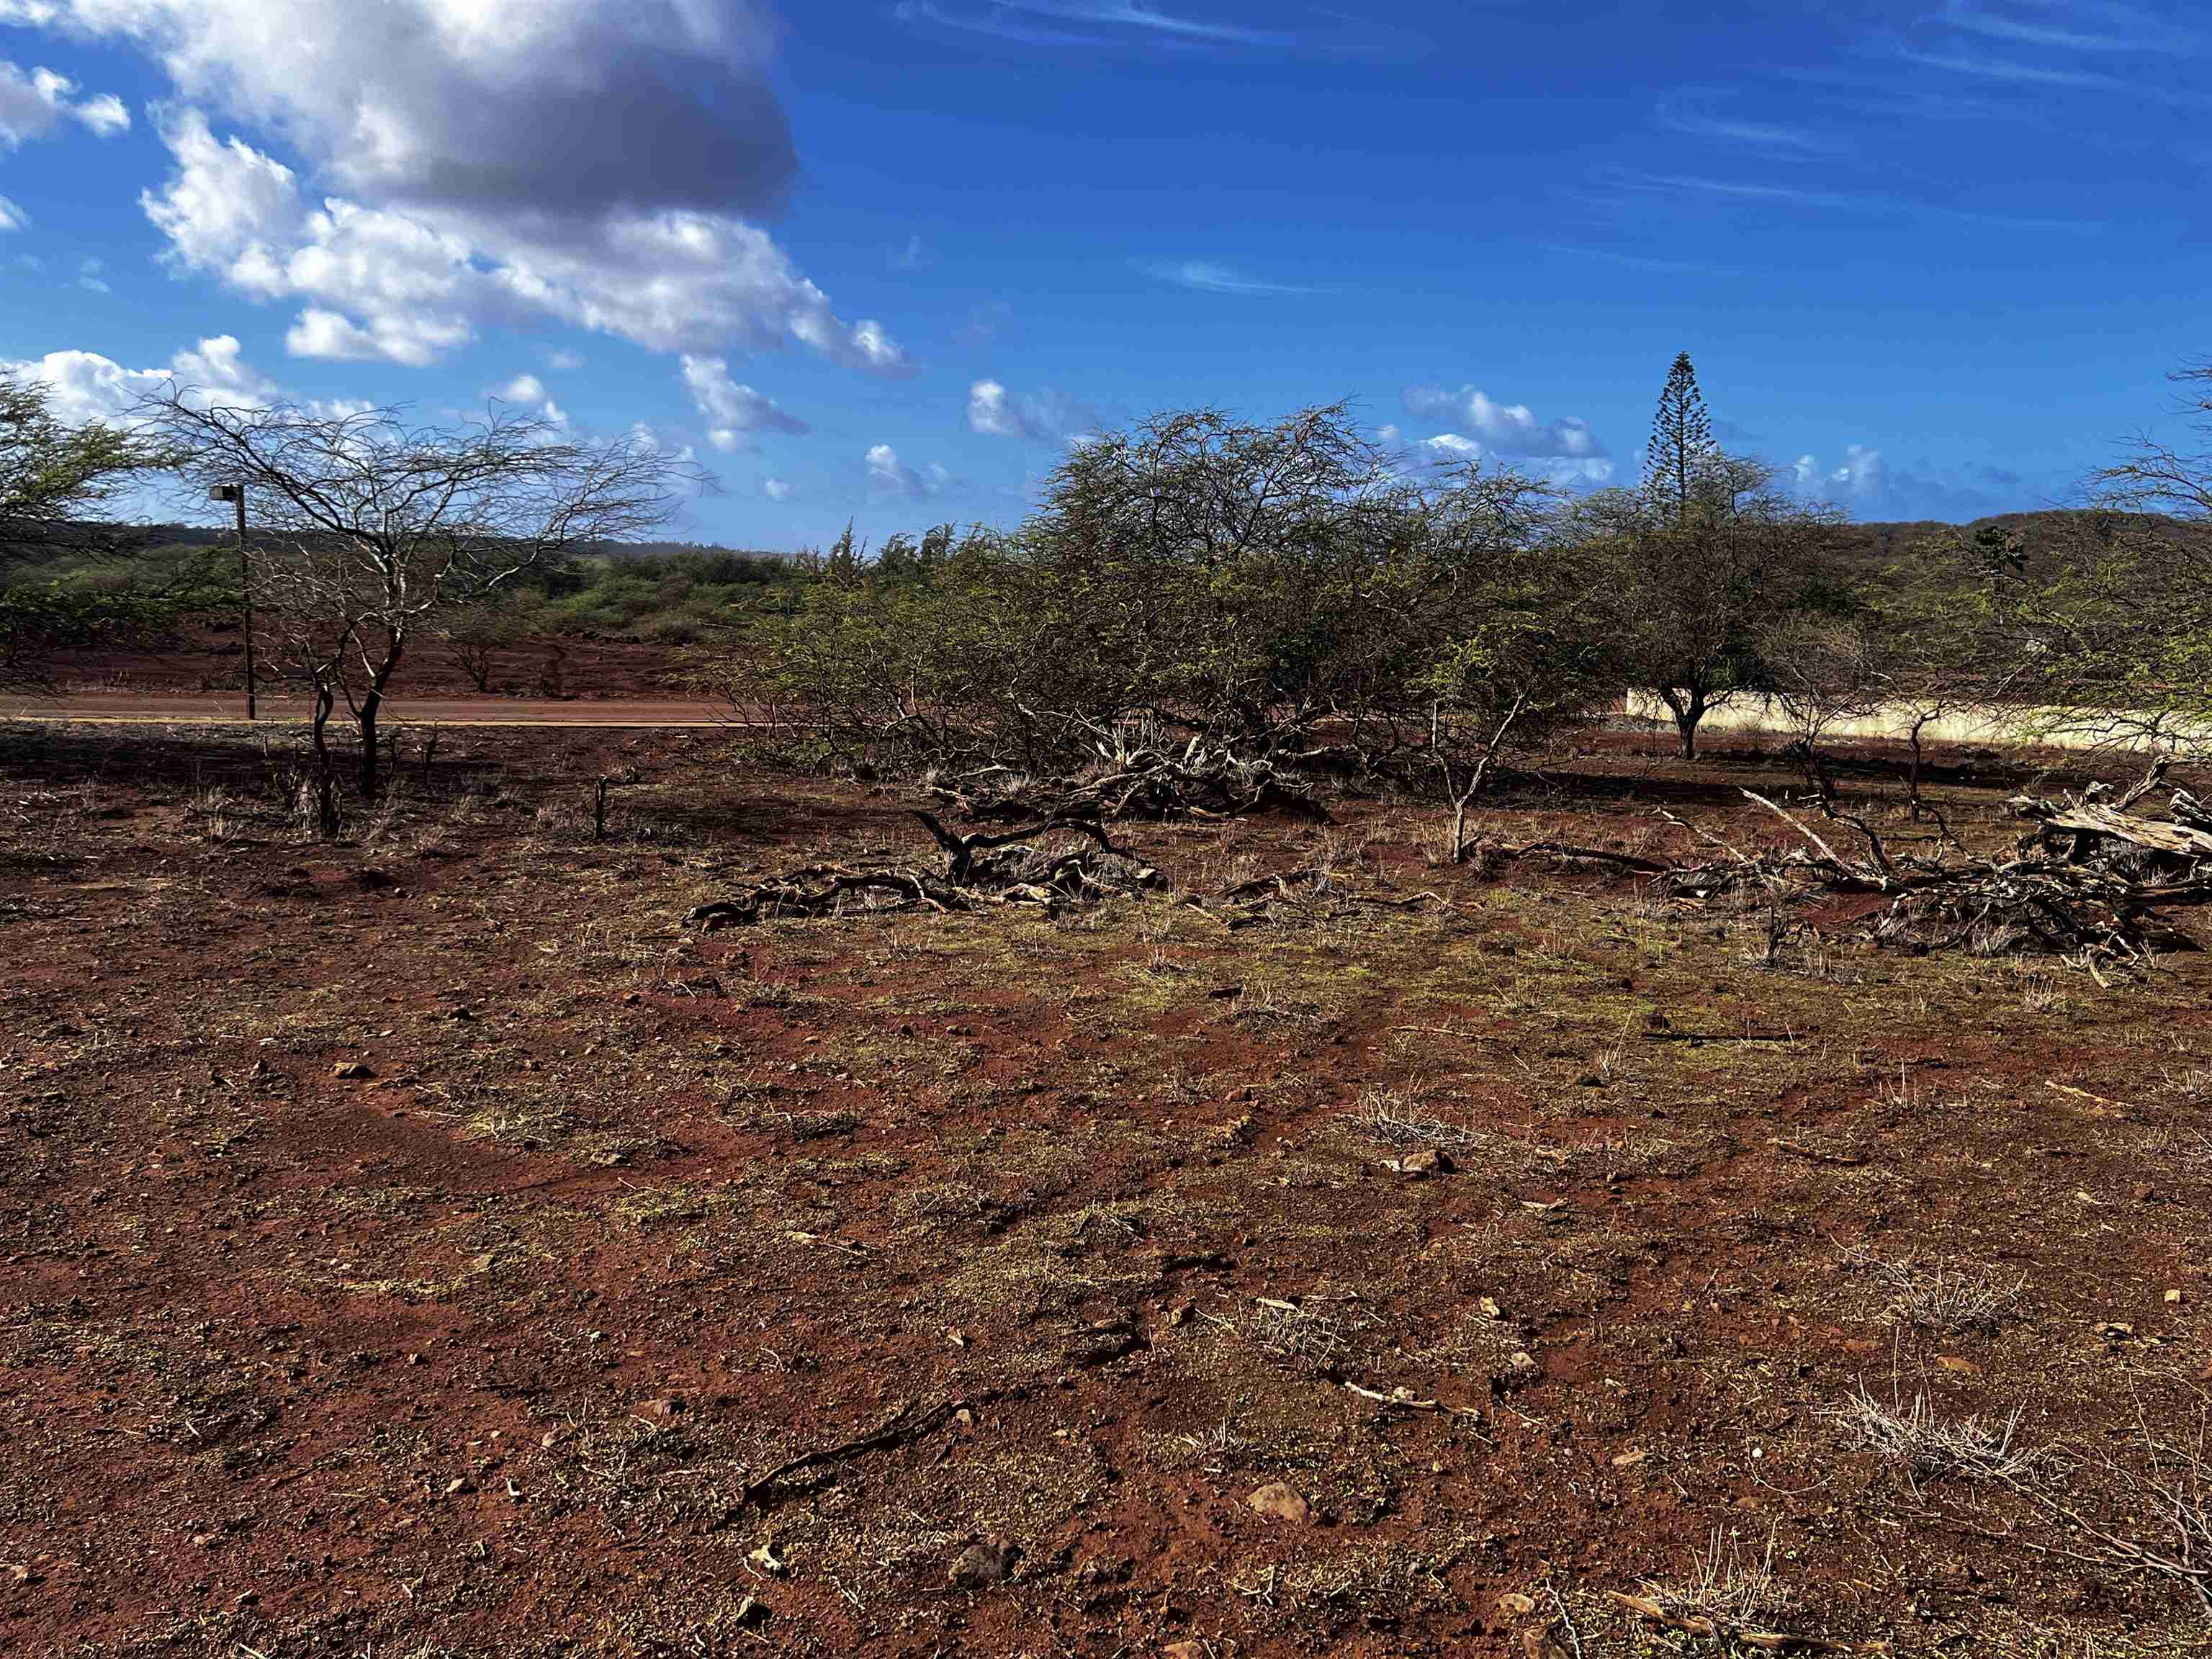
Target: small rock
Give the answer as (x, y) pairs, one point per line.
(980, 1564)
(1186, 1650)
(1629, 1460)
(1514, 1603)
(350, 1070)
(1489, 1308)
(1280, 1502)
(2174, 1299)
(662, 1408)
(766, 1560)
(1952, 1362)
(752, 1612)
(1428, 1162)
(1523, 1360)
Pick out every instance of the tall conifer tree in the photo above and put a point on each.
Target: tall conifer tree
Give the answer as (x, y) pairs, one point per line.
(1681, 449)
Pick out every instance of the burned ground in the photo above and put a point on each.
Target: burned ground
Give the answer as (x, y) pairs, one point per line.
(429, 1244)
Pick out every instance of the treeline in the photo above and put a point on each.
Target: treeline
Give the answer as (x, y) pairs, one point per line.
(1285, 593)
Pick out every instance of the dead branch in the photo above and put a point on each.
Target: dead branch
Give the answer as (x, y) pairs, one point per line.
(907, 1425)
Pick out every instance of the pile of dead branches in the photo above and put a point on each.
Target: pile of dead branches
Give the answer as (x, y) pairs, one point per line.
(1309, 898)
(1135, 779)
(2090, 885)
(982, 868)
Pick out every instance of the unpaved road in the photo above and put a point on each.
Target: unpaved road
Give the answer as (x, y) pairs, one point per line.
(124, 708)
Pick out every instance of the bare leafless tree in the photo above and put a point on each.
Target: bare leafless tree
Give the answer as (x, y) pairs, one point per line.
(367, 526)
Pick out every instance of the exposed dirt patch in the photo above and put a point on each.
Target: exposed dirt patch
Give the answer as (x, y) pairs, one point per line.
(426, 1244)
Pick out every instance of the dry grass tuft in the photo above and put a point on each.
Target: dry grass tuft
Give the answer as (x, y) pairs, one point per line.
(1387, 1116)
(1931, 1448)
(1954, 1296)
(1728, 1588)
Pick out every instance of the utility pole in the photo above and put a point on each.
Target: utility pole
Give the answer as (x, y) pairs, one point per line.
(235, 493)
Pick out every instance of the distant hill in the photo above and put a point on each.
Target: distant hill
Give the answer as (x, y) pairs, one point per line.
(1879, 546)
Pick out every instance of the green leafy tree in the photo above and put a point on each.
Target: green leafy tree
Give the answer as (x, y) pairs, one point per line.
(1708, 556)
(59, 482)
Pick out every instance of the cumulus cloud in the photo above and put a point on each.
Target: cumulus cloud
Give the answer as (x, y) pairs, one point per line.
(1456, 449)
(1449, 448)
(452, 165)
(736, 412)
(34, 106)
(776, 489)
(83, 386)
(894, 476)
(1860, 476)
(411, 287)
(14, 218)
(1045, 416)
(1508, 430)
(527, 390)
(568, 107)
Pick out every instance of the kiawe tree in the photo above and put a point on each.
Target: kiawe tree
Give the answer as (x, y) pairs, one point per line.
(365, 530)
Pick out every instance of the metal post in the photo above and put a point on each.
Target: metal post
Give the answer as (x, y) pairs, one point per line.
(235, 493)
(246, 586)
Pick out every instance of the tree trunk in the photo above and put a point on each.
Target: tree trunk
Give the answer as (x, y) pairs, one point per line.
(372, 704)
(325, 783)
(1912, 778)
(1687, 708)
(367, 717)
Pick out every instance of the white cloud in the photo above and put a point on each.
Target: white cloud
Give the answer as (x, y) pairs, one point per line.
(391, 338)
(1505, 428)
(1449, 450)
(564, 361)
(475, 163)
(565, 107)
(736, 412)
(1209, 278)
(84, 386)
(529, 392)
(776, 489)
(1858, 477)
(32, 105)
(13, 218)
(1045, 418)
(421, 284)
(889, 473)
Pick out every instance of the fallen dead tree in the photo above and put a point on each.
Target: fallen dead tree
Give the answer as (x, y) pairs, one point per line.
(1312, 896)
(1134, 780)
(981, 868)
(2088, 886)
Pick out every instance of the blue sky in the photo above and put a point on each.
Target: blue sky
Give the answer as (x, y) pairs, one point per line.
(883, 258)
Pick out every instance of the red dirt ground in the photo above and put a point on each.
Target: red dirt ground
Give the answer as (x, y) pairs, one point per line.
(427, 1244)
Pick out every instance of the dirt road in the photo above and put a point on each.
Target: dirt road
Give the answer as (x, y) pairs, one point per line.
(124, 708)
